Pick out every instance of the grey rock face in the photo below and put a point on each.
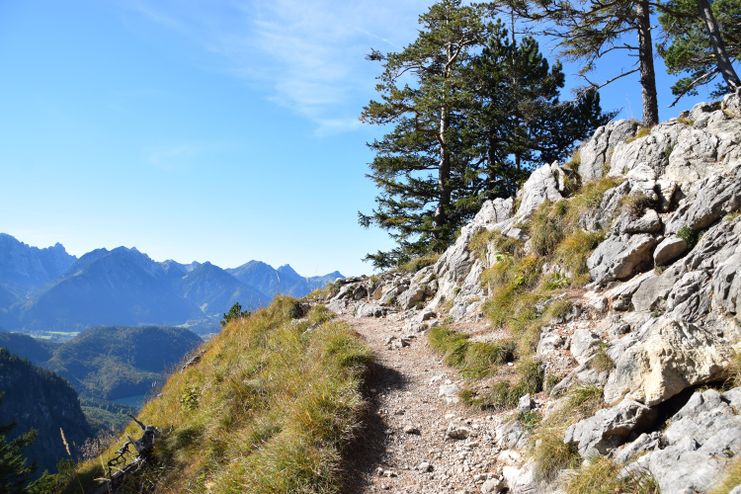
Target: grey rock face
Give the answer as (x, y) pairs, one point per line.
(544, 184)
(701, 440)
(621, 256)
(669, 250)
(717, 196)
(595, 154)
(649, 222)
(610, 427)
(664, 358)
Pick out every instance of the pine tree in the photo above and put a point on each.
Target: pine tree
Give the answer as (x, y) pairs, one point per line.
(15, 472)
(588, 30)
(703, 40)
(518, 120)
(472, 112)
(420, 166)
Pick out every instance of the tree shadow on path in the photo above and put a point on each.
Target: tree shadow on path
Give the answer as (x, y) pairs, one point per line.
(368, 450)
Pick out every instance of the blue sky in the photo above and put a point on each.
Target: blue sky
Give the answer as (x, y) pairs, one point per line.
(203, 130)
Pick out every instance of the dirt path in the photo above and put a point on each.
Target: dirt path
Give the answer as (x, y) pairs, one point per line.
(407, 446)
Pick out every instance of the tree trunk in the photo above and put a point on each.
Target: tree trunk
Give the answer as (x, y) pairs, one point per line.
(725, 67)
(646, 58)
(443, 176)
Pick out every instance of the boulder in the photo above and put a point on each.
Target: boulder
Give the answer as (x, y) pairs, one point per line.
(664, 358)
(702, 439)
(610, 427)
(669, 250)
(621, 256)
(544, 184)
(716, 196)
(649, 222)
(595, 154)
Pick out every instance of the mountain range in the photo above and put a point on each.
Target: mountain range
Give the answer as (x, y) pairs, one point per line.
(49, 289)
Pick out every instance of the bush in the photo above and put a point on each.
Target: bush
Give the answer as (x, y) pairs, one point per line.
(689, 235)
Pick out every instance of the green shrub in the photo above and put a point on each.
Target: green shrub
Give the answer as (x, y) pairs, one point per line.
(689, 235)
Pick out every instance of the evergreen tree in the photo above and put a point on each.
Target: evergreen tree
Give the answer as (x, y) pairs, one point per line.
(518, 120)
(703, 40)
(15, 472)
(590, 29)
(472, 112)
(420, 165)
(235, 313)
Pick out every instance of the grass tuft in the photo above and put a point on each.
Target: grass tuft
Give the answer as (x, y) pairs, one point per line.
(475, 359)
(603, 476)
(640, 133)
(551, 455)
(731, 478)
(417, 263)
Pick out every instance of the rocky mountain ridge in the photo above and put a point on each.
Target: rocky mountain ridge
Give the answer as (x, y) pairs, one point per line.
(655, 326)
(49, 289)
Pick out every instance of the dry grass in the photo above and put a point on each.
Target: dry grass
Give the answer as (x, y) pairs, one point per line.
(640, 133)
(731, 478)
(268, 408)
(550, 453)
(603, 476)
(414, 265)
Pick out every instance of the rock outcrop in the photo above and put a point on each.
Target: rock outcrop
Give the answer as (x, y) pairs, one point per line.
(662, 309)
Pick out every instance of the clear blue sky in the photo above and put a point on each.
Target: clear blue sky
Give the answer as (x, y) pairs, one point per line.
(202, 130)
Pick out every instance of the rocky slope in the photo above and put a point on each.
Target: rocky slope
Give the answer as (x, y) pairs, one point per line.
(653, 309)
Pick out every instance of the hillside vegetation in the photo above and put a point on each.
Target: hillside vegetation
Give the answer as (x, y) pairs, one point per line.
(268, 408)
(113, 362)
(35, 398)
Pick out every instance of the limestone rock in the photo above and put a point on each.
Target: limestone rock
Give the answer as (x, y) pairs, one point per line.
(595, 154)
(701, 440)
(649, 222)
(544, 184)
(669, 250)
(457, 432)
(609, 427)
(620, 257)
(663, 359)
